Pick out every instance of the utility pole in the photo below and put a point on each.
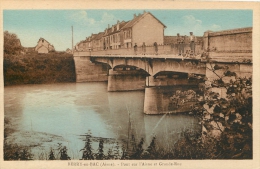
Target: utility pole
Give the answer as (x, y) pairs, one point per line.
(72, 50)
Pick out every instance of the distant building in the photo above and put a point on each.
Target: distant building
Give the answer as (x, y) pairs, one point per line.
(43, 46)
(68, 51)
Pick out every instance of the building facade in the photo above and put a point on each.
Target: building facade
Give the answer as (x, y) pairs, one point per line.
(43, 46)
(143, 28)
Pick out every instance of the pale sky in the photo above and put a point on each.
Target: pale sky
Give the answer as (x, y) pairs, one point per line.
(55, 25)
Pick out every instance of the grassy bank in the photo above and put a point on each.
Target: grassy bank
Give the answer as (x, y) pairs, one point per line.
(37, 68)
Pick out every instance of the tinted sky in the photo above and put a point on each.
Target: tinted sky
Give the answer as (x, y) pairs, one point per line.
(55, 25)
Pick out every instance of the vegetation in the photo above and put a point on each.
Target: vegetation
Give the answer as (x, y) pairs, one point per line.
(12, 44)
(38, 68)
(226, 120)
(29, 67)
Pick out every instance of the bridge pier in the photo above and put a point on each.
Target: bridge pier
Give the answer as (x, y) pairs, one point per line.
(159, 95)
(126, 80)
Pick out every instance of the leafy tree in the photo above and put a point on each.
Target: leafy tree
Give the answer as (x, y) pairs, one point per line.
(12, 44)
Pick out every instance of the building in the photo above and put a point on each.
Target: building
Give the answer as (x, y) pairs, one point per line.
(97, 42)
(113, 37)
(143, 28)
(69, 51)
(43, 46)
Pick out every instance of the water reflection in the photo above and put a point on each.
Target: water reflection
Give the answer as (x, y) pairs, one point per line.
(71, 109)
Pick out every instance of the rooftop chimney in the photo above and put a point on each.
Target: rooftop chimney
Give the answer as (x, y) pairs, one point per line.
(134, 15)
(108, 26)
(144, 11)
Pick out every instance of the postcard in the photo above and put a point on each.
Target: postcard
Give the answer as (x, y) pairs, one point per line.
(119, 84)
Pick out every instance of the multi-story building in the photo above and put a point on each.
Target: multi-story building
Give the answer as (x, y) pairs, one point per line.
(143, 28)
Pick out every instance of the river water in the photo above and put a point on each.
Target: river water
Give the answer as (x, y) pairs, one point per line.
(73, 109)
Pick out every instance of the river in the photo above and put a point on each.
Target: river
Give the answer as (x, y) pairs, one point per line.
(64, 111)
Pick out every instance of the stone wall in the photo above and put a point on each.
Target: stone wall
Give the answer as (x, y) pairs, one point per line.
(235, 40)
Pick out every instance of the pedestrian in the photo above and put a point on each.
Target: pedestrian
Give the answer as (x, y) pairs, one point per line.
(180, 43)
(135, 48)
(192, 43)
(156, 48)
(144, 48)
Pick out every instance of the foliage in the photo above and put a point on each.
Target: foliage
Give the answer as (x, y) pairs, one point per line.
(12, 44)
(139, 150)
(87, 150)
(51, 155)
(100, 155)
(63, 152)
(226, 120)
(37, 69)
(16, 152)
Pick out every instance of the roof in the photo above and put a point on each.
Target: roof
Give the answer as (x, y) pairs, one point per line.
(43, 39)
(98, 36)
(109, 30)
(132, 22)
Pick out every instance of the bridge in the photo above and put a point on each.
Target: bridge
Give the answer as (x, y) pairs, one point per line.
(163, 73)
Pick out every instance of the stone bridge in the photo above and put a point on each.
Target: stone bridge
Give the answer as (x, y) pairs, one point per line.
(163, 74)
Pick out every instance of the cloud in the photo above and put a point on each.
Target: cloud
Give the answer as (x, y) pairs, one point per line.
(190, 20)
(106, 18)
(83, 18)
(215, 27)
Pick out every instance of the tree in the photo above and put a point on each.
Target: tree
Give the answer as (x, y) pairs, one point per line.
(100, 155)
(87, 150)
(12, 44)
(63, 152)
(139, 150)
(51, 155)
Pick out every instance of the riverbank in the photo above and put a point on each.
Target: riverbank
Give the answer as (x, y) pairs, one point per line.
(34, 68)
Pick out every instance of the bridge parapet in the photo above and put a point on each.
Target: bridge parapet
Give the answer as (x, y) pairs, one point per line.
(229, 45)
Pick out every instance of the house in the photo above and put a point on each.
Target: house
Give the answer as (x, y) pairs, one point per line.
(68, 51)
(143, 28)
(43, 46)
(97, 41)
(113, 37)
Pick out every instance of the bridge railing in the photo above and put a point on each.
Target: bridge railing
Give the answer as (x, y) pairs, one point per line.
(169, 49)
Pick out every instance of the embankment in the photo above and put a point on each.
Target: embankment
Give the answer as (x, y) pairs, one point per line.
(37, 68)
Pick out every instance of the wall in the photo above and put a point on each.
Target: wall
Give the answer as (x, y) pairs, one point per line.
(147, 30)
(236, 40)
(86, 71)
(43, 49)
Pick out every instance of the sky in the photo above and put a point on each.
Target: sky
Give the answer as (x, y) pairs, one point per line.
(55, 25)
